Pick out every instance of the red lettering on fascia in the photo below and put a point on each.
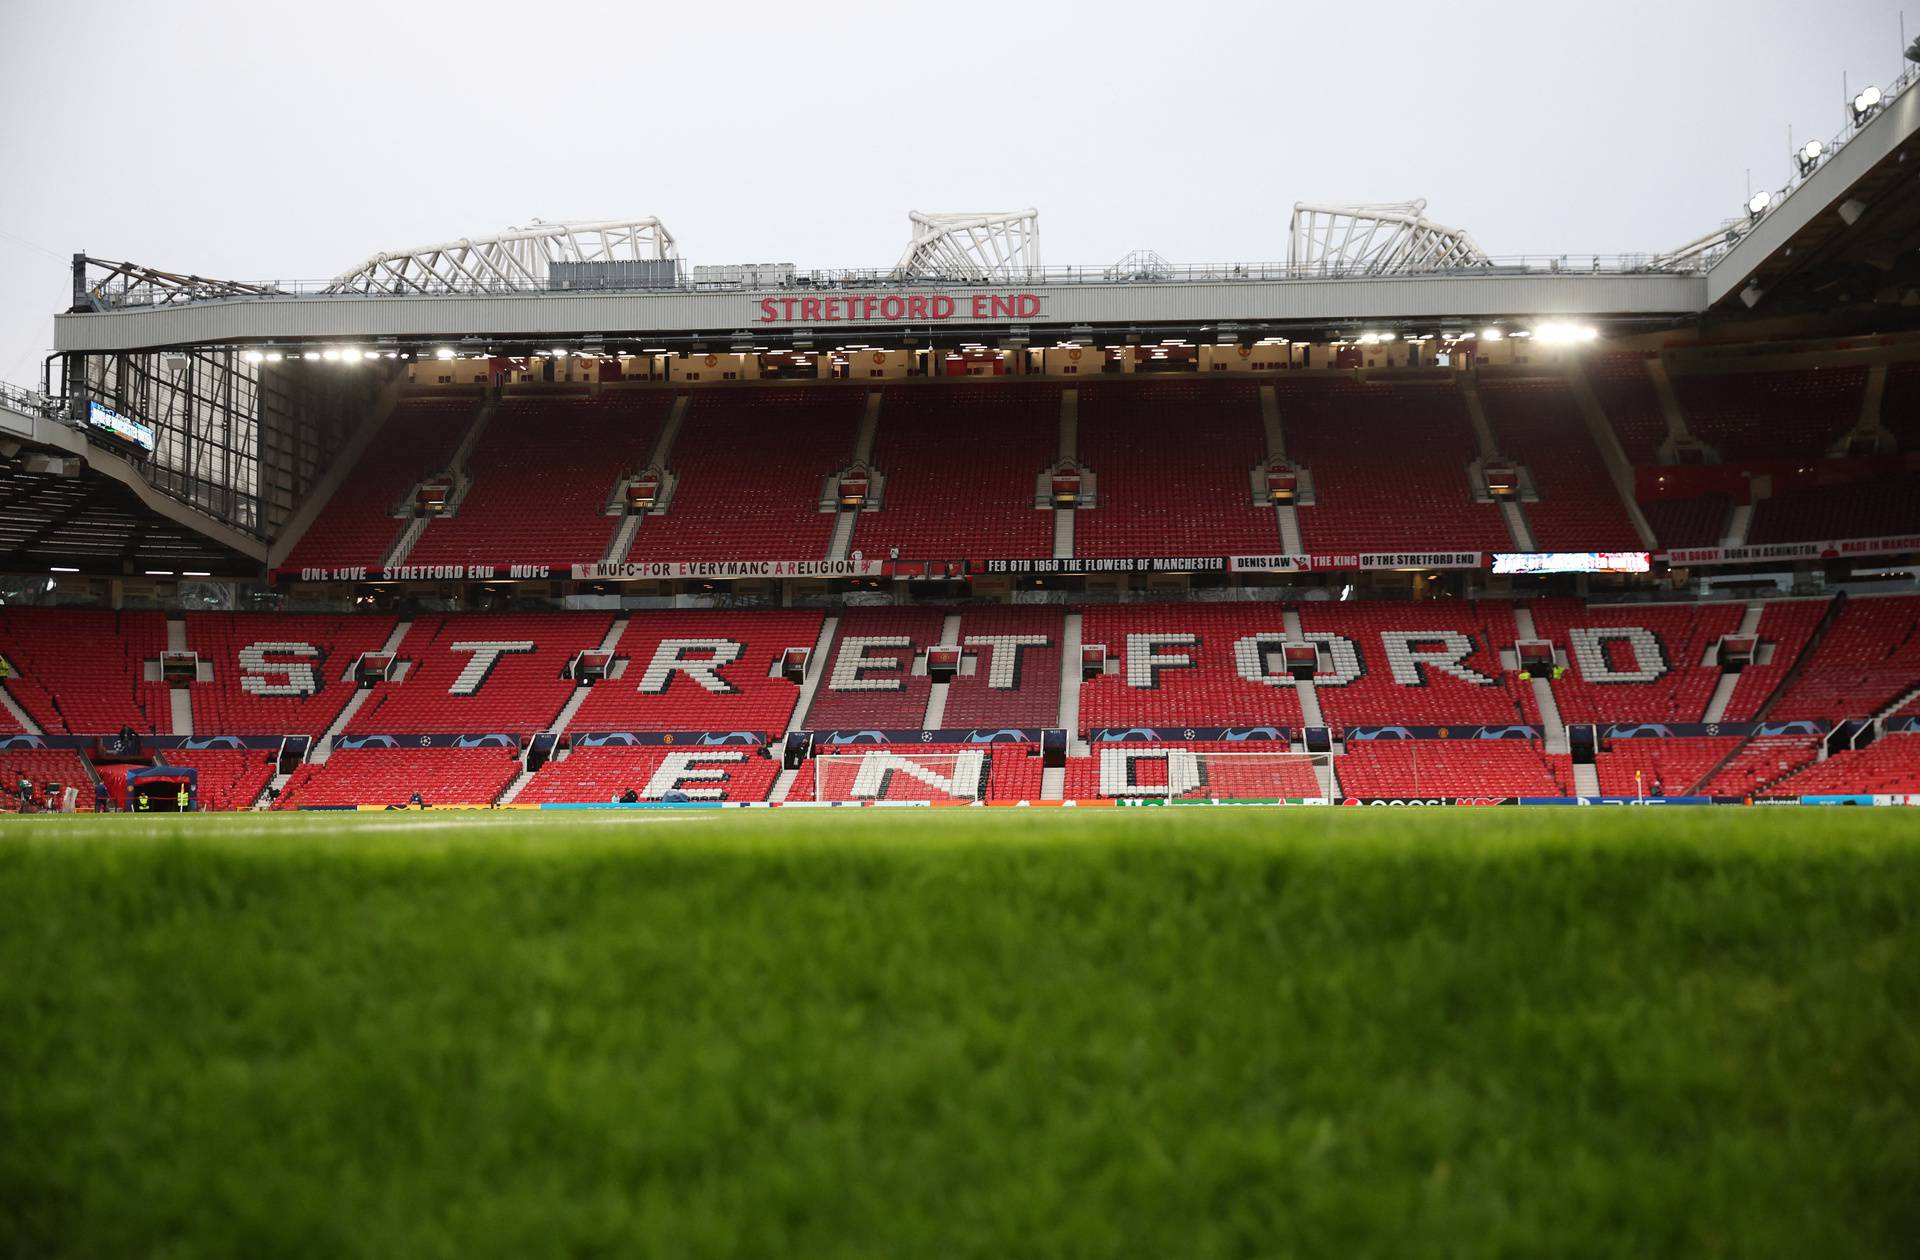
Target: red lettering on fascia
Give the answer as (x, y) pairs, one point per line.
(917, 307)
(786, 309)
(809, 309)
(980, 306)
(942, 307)
(867, 303)
(766, 310)
(833, 310)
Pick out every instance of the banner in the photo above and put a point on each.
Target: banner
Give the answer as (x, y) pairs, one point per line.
(1107, 564)
(1572, 562)
(1355, 734)
(1832, 549)
(825, 740)
(662, 739)
(422, 573)
(1184, 734)
(1810, 727)
(1428, 800)
(491, 740)
(1414, 560)
(1269, 564)
(625, 570)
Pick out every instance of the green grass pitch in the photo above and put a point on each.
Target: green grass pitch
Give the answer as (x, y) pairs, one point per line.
(963, 1033)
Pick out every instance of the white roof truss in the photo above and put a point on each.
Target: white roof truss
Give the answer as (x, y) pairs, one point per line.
(515, 259)
(1377, 240)
(999, 245)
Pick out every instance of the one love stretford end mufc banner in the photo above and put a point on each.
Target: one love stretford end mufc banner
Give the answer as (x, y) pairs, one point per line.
(1541, 562)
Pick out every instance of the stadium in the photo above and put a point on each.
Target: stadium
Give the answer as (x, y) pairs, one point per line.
(648, 603)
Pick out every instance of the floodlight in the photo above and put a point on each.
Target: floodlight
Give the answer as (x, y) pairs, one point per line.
(1865, 102)
(311, 355)
(1758, 203)
(1490, 334)
(253, 356)
(557, 353)
(444, 352)
(331, 356)
(1808, 156)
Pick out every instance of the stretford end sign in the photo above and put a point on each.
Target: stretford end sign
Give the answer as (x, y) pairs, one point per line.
(897, 308)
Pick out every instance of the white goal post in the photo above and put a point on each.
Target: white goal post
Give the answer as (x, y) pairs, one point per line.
(903, 774)
(1171, 773)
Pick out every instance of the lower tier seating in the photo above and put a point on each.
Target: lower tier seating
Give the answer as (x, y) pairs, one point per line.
(1224, 770)
(589, 776)
(389, 776)
(921, 772)
(1659, 767)
(42, 766)
(1760, 765)
(228, 778)
(1869, 657)
(1890, 765)
(1386, 768)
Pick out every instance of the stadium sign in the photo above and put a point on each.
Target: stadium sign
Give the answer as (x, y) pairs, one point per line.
(1269, 564)
(1830, 549)
(421, 573)
(662, 569)
(1416, 560)
(897, 308)
(1110, 564)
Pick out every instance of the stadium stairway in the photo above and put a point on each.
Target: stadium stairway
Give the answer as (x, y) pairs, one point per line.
(323, 747)
(1064, 524)
(1551, 726)
(462, 482)
(1510, 510)
(19, 715)
(558, 727)
(179, 699)
(621, 544)
(1612, 454)
(1284, 513)
(1792, 675)
(1724, 689)
(1310, 714)
(816, 672)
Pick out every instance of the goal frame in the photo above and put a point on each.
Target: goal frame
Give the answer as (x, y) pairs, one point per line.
(906, 753)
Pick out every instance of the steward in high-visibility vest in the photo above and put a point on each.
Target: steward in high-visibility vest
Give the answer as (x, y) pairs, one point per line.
(140, 805)
(182, 801)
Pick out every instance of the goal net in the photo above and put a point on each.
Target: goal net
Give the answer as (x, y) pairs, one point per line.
(1190, 774)
(902, 775)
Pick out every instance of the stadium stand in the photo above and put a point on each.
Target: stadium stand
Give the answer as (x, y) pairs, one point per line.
(1872, 507)
(1699, 521)
(701, 670)
(1787, 624)
(1423, 664)
(1228, 772)
(751, 462)
(870, 679)
(1536, 422)
(42, 766)
(1869, 658)
(1760, 765)
(961, 462)
(1637, 663)
(513, 685)
(543, 474)
(1012, 773)
(79, 671)
(1900, 404)
(389, 776)
(357, 525)
(1889, 765)
(590, 776)
(1173, 461)
(279, 674)
(1027, 691)
(1180, 665)
(1626, 394)
(228, 778)
(1387, 768)
(1659, 767)
(1791, 415)
(1389, 463)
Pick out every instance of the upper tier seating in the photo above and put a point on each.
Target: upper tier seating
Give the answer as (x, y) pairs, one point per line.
(701, 670)
(1386, 768)
(960, 463)
(1027, 693)
(1873, 508)
(1667, 767)
(1702, 521)
(1536, 422)
(42, 766)
(390, 776)
(1626, 394)
(79, 671)
(1787, 624)
(228, 778)
(1654, 675)
(1389, 463)
(1172, 462)
(450, 689)
(279, 674)
(1011, 773)
(1869, 658)
(1890, 765)
(869, 680)
(543, 473)
(1393, 686)
(418, 440)
(751, 462)
(1188, 670)
(589, 776)
(1771, 415)
(1133, 769)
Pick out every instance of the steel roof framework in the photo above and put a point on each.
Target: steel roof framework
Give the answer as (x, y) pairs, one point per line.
(1382, 239)
(979, 246)
(510, 261)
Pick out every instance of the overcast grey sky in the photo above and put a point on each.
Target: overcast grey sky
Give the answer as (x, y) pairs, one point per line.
(268, 140)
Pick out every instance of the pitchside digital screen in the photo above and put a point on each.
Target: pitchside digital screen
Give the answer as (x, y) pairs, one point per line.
(1572, 562)
(109, 421)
